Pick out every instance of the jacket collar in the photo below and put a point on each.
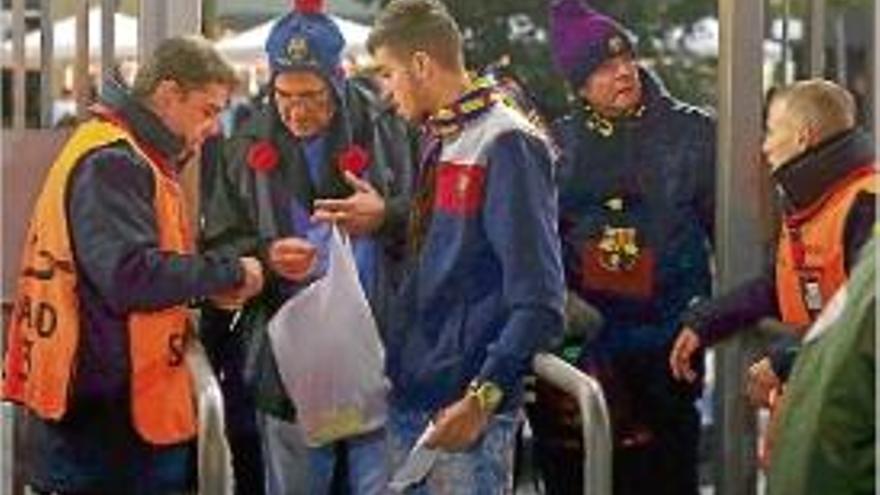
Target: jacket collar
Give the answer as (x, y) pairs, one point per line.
(146, 127)
(806, 178)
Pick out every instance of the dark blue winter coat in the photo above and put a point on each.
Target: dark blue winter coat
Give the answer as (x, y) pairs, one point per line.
(636, 215)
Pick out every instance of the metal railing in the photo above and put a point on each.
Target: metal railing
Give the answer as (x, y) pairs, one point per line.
(595, 423)
(8, 483)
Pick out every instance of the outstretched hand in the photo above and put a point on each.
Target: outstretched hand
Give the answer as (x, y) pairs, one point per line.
(359, 214)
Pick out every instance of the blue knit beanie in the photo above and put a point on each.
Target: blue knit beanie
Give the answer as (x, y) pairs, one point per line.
(306, 39)
(581, 38)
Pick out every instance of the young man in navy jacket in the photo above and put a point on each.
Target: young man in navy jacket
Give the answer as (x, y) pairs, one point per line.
(483, 290)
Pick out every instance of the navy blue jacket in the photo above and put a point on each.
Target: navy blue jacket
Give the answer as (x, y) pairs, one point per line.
(485, 290)
(651, 175)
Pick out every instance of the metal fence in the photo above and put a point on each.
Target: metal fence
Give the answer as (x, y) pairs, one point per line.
(595, 424)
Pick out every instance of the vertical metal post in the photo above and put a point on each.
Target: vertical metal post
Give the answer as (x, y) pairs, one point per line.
(786, 47)
(152, 26)
(7, 412)
(184, 17)
(840, 48)
(19, 66)
(816, 40)
(874, 77)
(160, 19)
(8, 468)
(209, 19)
(47, 66)
(6, 447)
(738, 226)
(7, 443)
(108, 39)
(81, 82)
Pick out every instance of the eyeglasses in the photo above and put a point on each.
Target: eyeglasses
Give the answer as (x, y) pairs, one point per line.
(307, 100)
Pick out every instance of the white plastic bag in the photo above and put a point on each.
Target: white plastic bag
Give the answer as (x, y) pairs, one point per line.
(329, 355)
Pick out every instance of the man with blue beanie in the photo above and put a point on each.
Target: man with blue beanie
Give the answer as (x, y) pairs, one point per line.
(320, 138)
(636, 206)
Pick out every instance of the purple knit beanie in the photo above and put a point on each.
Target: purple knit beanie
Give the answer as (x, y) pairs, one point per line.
(582, 38)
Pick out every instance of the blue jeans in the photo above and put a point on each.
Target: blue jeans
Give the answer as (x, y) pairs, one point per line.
(285, 456)
(367, 465)
(292, 468)
(484, 469)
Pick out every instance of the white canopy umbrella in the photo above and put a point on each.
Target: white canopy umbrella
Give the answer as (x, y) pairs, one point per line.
(248, 46)
(702, 40)
(64, 40)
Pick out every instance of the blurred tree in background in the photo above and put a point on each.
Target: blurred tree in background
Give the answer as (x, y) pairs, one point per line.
(519, 29)
(677, 39)
(495, 29)
(662, 26)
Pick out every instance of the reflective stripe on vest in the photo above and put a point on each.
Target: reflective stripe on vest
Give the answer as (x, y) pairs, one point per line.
(810, 264)
(44, 330)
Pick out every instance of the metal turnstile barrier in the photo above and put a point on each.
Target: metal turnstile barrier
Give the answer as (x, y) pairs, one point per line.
(595, 424)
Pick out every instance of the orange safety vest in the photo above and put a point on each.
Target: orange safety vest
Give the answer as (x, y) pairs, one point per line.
(810, 264)
(810, 267)
(44, 330)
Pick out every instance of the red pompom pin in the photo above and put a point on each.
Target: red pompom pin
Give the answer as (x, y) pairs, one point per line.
(308, 6)
(355, 160)
(262, 156)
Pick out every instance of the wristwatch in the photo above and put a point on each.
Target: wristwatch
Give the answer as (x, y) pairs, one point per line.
(487, 393)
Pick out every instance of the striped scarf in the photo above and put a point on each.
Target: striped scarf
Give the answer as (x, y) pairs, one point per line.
(443, 123)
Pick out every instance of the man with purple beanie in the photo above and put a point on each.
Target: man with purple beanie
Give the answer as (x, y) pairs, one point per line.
(636, 199)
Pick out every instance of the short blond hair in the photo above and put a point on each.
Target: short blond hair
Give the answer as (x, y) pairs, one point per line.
(829, 108)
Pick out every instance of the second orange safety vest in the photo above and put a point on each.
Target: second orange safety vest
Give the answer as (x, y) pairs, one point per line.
(810, 264)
